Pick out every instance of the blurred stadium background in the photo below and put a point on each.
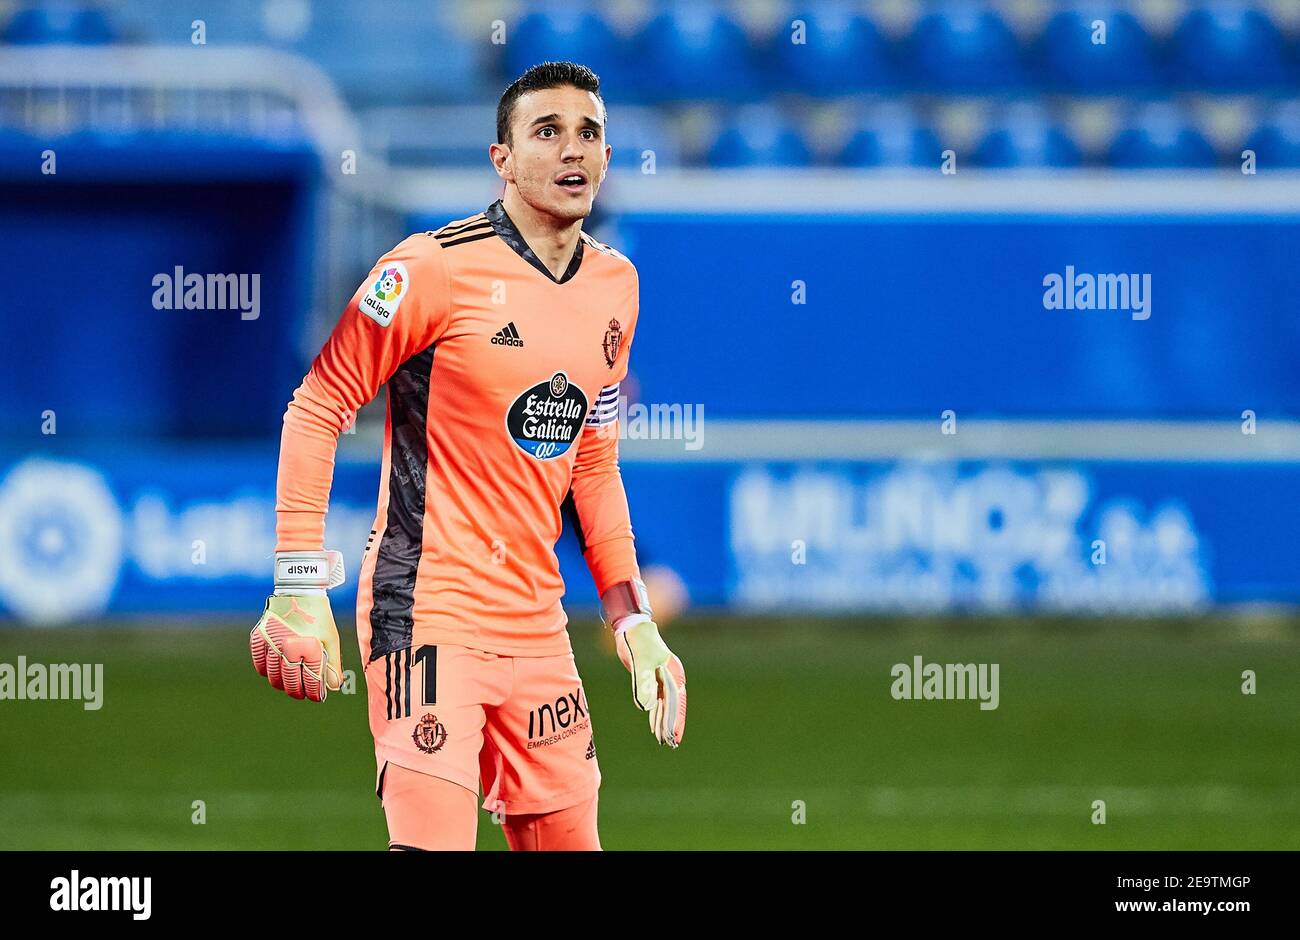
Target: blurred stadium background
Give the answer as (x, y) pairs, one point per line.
(843, 215)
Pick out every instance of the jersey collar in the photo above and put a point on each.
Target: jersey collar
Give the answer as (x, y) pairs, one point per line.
(496, 214)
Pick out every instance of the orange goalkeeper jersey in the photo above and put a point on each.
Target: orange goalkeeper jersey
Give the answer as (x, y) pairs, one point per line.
(503, 388)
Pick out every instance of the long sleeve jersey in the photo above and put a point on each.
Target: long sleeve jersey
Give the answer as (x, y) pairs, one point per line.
(503, 386)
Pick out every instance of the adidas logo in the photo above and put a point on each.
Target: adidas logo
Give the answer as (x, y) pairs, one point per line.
(591, 749)
(507, 336)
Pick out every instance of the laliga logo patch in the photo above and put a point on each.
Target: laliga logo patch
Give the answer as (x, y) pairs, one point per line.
(382, 298)
(546, 419)
(389, 285)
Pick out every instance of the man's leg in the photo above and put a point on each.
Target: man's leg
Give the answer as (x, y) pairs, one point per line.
(426, 813)
(538, 765)
(566, 830)
(427, 709)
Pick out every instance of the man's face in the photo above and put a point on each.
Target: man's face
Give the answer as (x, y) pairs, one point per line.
(558, 156)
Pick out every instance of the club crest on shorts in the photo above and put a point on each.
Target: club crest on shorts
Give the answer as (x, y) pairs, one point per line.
(613, 336)
(430, 734)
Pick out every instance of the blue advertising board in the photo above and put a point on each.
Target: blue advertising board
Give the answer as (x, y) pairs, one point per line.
(151, 532)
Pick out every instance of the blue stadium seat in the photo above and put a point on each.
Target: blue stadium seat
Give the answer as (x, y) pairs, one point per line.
(59, 23)
(891, 137)
(695, 53)
(965, 48)
(1229, 48)
(1026, 136)
(636, 130)
(759, 136)
(1127, 61)
(842, 52)
(398, 51)
(231, 22)
(403, 51)
(1276, 142)
(1159, 136)
(576, 34)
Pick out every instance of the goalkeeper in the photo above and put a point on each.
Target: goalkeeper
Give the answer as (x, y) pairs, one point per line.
(502, 338)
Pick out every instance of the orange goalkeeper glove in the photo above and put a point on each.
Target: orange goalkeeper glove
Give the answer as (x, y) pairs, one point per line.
(296, 644)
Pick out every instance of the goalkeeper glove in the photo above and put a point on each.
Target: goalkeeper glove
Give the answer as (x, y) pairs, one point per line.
(295, 644)
(658, 678)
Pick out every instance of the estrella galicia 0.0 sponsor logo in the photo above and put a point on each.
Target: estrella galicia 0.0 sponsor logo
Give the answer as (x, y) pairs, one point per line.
(546, 419)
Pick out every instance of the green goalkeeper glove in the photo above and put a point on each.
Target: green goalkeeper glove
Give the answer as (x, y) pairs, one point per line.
(658, 678)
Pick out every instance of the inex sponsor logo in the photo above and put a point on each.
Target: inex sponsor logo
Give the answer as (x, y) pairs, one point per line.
(546, 419)
(567, 711)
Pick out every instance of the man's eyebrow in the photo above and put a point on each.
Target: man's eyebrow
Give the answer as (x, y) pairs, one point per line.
(587, 121)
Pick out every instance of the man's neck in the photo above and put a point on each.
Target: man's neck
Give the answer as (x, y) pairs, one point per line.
(551, 239)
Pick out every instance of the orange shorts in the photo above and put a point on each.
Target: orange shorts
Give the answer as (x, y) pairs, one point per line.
(518, 724)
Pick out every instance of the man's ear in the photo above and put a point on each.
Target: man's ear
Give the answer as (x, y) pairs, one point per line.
(605, 168)
(501, 157)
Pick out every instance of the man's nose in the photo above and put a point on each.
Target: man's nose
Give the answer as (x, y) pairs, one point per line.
(572, 150)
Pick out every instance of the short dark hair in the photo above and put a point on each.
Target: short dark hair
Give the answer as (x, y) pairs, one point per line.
(544, 75)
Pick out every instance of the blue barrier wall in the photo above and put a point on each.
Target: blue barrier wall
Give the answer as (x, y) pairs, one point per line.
(83, 246)
(903, 316)
(912, 315)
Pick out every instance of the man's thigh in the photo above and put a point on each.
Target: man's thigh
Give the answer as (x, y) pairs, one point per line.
(539, 755)
(426, 813)
(428, 706)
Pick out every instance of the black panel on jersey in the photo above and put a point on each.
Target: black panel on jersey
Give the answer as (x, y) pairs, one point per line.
(496, 214)
(391, 613)
(569, 509)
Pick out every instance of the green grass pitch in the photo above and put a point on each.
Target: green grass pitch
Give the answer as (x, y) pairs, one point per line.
(1147, 716)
